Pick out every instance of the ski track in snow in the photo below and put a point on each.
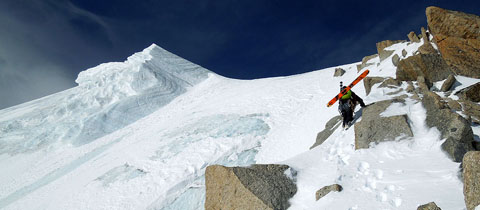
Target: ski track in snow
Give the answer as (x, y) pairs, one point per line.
(158, 161)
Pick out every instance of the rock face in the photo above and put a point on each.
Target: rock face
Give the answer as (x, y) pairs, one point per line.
(395, 59)
(453, 127)
(471, 93)
(368, 82)
(431, 66)
(423, 84)
(327, 189)
(452, 23)
(453, 105)
(448, 83)
(382, 53)
(256, 187)
(472, 110)
(471, 179)
(457, 36)
(425, 35)
(331, 126)
(339, 72)
(429, 206)
(413, 37)
(384, 128)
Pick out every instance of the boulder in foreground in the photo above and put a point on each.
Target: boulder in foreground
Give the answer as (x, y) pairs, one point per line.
(255, 187)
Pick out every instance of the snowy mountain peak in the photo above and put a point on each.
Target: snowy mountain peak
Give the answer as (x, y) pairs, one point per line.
(109, 97)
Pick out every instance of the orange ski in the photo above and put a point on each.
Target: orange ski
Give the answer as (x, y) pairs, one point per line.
(344, 91)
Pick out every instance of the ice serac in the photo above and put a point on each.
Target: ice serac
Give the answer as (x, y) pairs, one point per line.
(108, 97)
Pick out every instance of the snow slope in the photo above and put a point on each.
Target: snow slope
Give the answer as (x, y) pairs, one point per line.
(139, 135)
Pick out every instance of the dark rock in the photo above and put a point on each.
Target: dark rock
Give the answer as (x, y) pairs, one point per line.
(331, 126)
(448, 83)
(339, 72)
(368, 82)
(385, 128)
(458, 39)
(327, 189)
(453, 105)
(471, 93)
(471, 179)
(453, 127)
(427, 48)
(472, 110)
(255, 187)
(424, 35)
(429, 206)
(423, 84)
(404, 53)
(413, 37)
(395, 59)
(431, 66)
(410, 87)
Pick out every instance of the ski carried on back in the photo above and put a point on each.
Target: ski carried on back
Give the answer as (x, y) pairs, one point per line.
(344, 91)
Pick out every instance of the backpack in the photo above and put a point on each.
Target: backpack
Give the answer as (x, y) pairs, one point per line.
(344, 106)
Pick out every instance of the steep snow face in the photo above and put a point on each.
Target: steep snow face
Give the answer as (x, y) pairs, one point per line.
(108, 97)
(159, 160)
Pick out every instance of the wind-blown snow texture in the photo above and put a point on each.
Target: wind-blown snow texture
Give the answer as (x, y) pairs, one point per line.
(139, 135)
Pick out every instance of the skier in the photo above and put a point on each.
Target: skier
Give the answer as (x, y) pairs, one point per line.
(346, 106)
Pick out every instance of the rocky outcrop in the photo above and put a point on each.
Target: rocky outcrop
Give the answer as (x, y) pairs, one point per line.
(413, 37)
(365, 62)
(327, 189)
(448, 83)
(471, 93)
(390, 83)
(457, 36)
(385, 128)
(472, 110)
(427, 48)
(255, 187)
(462, 55)
(453, 105)
(382, 53)
(368, 82)
(423, 84)
(453, 127)
(452, 23)
(431, 66)
(429, 206)
(425, 35)
(330, 126)
(395, 59)
(339, 72)
(471, 179)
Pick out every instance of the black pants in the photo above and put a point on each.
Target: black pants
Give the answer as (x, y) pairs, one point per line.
(347, 117)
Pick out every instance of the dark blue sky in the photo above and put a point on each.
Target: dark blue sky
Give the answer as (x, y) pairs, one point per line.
(44, 44)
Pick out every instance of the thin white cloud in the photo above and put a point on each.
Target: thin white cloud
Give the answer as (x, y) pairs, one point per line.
(36, 40)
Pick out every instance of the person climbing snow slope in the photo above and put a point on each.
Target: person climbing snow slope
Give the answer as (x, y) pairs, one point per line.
(346, 106)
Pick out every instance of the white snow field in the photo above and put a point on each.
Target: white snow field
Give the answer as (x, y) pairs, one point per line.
(139, 135)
